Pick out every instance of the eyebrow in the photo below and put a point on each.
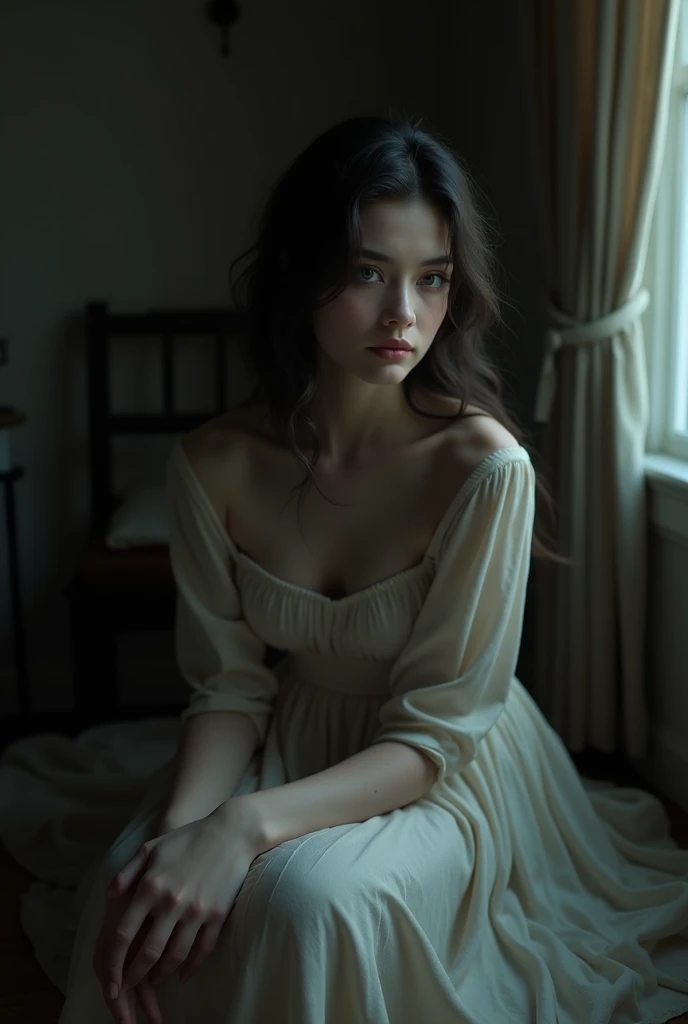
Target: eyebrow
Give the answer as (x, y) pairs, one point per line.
(372, 254)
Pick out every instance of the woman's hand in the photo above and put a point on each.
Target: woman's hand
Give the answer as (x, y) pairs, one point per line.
(123, 1007)
(186, 883)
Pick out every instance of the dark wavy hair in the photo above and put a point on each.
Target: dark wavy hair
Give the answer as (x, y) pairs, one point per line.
(312, 218)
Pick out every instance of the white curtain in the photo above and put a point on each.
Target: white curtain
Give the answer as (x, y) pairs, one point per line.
(602, 74)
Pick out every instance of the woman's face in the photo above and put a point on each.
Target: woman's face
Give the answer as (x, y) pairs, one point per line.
(399, 289)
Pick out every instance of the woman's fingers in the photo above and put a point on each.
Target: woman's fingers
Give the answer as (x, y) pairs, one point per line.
(128, 999)
(205, 943)
(148, 998)
(123, 1008)
(176, 953)
(121, 938)
(152, 949)
(114, 908)
(124, 878)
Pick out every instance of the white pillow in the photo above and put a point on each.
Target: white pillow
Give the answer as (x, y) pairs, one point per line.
(141, 520)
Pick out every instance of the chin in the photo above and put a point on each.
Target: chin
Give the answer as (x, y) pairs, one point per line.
(390, 380)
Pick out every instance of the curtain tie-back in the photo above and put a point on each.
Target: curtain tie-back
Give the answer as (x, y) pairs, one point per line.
(572, 332)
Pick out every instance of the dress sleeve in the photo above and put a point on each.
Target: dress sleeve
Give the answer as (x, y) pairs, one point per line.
(219, 656)
(450, 683)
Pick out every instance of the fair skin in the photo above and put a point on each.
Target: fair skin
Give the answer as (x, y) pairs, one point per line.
(359, 407)
(377, 456)
(186, 879)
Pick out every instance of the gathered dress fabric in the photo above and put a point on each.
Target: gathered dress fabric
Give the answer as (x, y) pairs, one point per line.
(514, 891)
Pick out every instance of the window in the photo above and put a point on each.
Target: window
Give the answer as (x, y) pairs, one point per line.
(666, 321)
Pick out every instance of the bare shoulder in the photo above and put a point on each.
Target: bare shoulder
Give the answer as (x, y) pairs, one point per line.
(472, 439)
(213, 442)
(216, 451)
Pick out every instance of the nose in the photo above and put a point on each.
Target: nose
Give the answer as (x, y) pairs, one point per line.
(400, 308)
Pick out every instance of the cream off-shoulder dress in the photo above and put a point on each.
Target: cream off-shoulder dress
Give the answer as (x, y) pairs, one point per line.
(515, 891)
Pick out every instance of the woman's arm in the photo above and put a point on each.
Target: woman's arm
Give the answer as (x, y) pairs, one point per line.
(378, 779)
(214, 750)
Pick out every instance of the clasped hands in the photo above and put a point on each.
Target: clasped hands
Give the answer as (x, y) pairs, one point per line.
(167, 907)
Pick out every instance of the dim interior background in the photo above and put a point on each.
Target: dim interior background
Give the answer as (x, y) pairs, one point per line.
(135, 162)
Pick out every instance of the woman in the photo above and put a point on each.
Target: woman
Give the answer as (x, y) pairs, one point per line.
(382, 827)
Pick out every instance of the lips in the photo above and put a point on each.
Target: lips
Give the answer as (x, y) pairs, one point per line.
(395, 343)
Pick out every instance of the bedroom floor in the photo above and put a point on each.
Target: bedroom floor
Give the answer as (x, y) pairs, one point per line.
(28, 997)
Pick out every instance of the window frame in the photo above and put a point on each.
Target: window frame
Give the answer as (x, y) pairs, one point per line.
(666, 319)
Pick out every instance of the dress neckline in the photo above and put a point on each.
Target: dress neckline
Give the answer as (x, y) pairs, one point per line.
(478, 472)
